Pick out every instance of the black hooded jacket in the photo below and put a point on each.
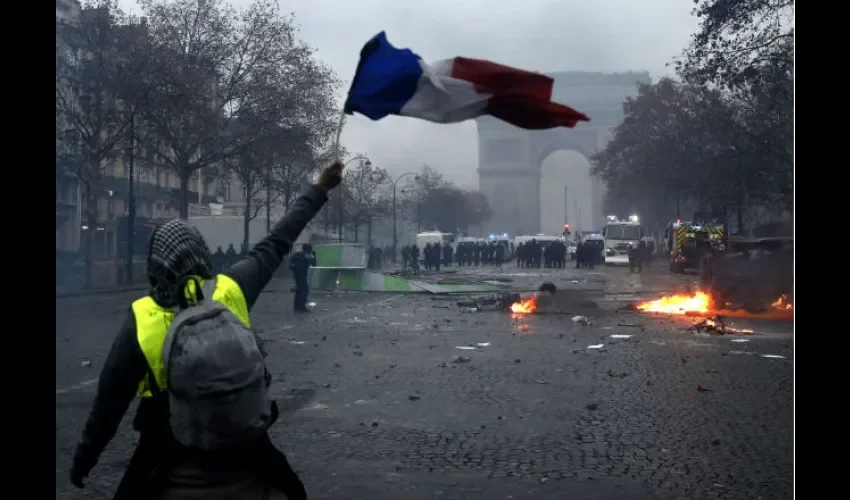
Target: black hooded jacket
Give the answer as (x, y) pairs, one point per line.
(126, 365)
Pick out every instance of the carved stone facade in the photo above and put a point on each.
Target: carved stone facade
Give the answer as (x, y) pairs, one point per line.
(510, 157)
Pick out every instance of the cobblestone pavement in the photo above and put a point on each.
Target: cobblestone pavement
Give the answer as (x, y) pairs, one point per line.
(378, 401)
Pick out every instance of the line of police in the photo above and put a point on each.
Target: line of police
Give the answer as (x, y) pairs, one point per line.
(467, 254)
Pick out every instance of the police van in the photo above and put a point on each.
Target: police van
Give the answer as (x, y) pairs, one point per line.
(619, 236)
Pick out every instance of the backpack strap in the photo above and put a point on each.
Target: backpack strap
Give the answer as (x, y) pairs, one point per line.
(209, 288)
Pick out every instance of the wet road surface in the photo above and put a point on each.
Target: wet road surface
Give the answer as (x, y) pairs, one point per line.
(379, 402)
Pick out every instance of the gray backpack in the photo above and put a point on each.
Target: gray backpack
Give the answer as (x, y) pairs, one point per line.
(216, 376)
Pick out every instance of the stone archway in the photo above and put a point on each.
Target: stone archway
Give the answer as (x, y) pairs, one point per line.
(509, 156)
(566, 192)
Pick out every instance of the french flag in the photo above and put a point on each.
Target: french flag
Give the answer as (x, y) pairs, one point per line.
(391, 81)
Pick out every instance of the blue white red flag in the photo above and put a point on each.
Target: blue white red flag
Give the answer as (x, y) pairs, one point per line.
(391, 81)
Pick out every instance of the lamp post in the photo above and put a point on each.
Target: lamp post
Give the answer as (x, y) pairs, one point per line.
(366, 162)
(131, 200)
(395, 231)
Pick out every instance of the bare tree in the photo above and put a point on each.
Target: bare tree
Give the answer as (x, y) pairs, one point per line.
(248, 169)
(294, 163)
(737, 40)
(217, 64)
(367, 196)
(442, 205)
(100, 87)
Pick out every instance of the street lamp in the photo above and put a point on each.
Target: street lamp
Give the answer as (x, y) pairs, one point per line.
(395, 233)
(364, 161)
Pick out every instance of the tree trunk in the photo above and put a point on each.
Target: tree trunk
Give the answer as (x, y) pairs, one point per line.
(246, 235)
(369, 231)
(356, 231)
(740, 210)
(88, 234)
(678, 206)
(185, 174)
(327, 221)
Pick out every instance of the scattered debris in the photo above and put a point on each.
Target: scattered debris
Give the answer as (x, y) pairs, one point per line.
(86, 363)
(517, 360)
(773, 356)
(596, 346)
(414, 398)
(465, 348)
(297, 342)
(592, 406)
(632, 325)
(483, 344)
(311, 304)
(703, 389)
(541, 382)
(612, 373)
(461, 359)
(740, 340)
(717, 326)
(582, 320)
(442, 364)
(621, 336)
(496, 301)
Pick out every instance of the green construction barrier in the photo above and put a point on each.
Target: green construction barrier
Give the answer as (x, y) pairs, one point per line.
(328, 255)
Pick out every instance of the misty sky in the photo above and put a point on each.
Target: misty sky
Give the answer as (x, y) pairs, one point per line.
(538, 35)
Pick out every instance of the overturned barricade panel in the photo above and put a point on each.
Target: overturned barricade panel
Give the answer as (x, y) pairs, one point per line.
(341, 267)
(360, 280)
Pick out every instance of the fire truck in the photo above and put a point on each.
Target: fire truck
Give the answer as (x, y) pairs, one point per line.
(687, 243)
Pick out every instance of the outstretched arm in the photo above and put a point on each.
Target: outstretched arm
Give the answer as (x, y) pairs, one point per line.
(254, 272)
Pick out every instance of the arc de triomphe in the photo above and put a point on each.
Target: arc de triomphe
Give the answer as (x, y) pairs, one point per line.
(510, 157)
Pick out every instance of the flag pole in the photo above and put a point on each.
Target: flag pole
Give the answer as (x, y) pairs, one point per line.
(338, 134)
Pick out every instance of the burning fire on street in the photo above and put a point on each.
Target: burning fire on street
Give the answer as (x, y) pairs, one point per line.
(525, 306)
(699, 302)
(783, 304)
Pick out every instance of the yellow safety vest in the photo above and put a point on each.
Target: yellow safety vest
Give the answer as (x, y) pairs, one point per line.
(152, 322)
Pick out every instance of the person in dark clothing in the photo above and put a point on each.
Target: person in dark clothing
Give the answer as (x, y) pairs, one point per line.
(405, 257)
(447, 254)
(591, 254)
(160, 467)
(300, 264)
(636, 255)
(231, 252)
(580, 255)
(218, 259)
(500, 254)
(428, 256)
(414, 257)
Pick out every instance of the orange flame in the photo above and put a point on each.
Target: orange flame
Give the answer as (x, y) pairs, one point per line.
(525, 306)
(782, 303)
(699, 302)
